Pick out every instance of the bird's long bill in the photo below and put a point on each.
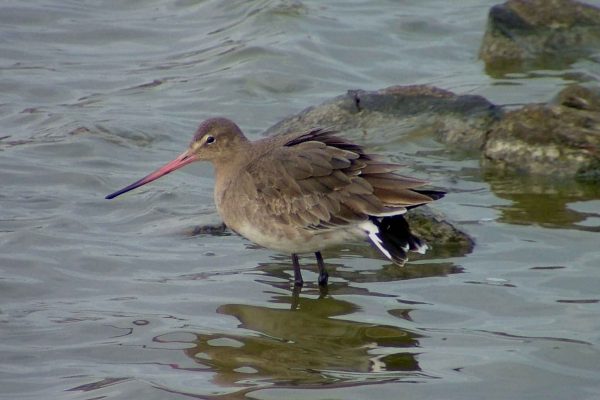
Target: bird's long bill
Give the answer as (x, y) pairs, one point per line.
(183, 159)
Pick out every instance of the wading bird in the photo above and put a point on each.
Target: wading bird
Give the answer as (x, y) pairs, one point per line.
(303, 192)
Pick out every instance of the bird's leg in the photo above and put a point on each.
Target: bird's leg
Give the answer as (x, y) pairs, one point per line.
(323, 275)
(297, 274)
(323, 291)
(295, 298)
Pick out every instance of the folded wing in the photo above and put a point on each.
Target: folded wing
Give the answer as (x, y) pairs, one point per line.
(327, 182)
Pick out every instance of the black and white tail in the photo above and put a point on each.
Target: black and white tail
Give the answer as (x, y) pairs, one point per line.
(392, 236)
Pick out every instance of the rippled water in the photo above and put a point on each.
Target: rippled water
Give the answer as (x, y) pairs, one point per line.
(122, 299)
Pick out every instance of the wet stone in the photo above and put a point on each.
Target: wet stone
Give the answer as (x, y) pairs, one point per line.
(560, 138)
(539, 34)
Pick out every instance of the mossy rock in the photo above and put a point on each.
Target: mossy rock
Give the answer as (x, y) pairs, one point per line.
(561, 138)
(539, 34)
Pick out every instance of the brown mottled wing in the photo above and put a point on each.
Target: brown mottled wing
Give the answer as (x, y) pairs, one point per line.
(321, 181)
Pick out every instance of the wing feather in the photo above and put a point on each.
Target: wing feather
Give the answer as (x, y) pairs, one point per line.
(318, 180)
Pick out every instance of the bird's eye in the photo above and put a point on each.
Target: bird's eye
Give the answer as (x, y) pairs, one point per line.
(210, 139)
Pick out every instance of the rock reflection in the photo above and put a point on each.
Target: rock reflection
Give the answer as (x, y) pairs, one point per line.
(543, 201)
(305, 347)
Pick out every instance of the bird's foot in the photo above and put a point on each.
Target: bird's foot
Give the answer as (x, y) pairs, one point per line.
(323, 291)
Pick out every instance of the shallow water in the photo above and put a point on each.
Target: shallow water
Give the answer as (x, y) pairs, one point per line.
(121, 299)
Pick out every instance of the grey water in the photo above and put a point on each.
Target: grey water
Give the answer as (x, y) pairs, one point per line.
(126, 299)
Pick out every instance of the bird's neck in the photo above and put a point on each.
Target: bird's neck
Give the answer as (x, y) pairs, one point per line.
(228, 169)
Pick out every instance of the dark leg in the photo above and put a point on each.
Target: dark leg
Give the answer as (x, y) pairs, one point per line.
(297, 274)
(323, 291)
(295, 298)
(323, 275)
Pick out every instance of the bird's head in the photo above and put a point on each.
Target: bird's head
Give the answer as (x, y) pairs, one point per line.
(215, 140)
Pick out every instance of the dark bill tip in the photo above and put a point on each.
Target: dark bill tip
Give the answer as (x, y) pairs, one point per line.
(126, 189)
(184, 159)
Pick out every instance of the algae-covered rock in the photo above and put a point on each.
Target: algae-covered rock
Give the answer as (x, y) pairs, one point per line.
(561, 138)
(436, 230)
(524, 34)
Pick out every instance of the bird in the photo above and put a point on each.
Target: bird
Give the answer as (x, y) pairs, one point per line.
(304, 192)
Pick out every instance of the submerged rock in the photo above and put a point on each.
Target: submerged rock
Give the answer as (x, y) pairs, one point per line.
(539, 33)
(561, 138)
(432, 226)
(454, 119)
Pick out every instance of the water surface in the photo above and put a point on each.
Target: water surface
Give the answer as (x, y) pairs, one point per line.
(122, 299)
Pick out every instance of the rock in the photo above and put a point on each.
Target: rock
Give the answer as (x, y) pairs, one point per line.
(579, 97)
(219, 229)
(433, 227)
(523, 34)
(561, 138)
(460, 120)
